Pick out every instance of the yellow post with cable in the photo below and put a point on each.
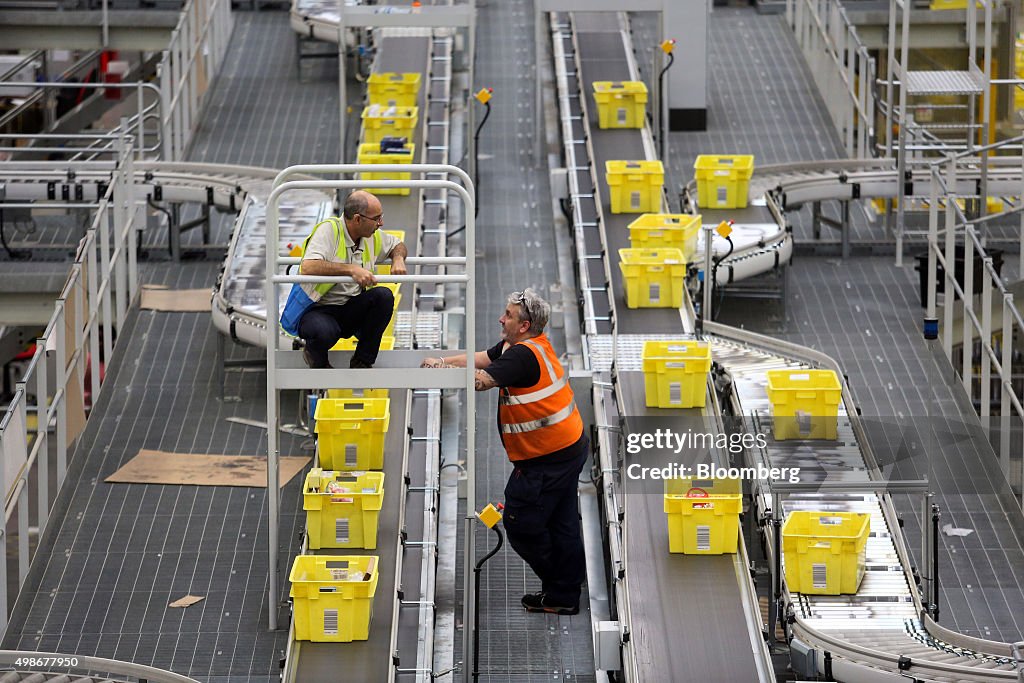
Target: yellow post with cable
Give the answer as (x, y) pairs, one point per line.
(490, 516)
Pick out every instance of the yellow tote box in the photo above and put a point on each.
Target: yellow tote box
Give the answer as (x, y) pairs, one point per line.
(824, 551)
(635, 186)
(723, 180)
(620, 104)
(391, 89)
(389, 121)
(654, 277)
(703, 515)
(666, 231)
(358, 393)
(390, 329)
(349, 344)
(332, 597)
(676, 373)
(350, 432)
(342, 508)
(805, 403)
(369, 153)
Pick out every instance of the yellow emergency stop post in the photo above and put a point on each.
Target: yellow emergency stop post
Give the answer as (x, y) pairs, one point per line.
(489, 516)
(724, 229)
(668, 45)
(484, 95)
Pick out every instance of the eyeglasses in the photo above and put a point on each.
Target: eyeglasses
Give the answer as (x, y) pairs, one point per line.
(378, 219)
(520, 299)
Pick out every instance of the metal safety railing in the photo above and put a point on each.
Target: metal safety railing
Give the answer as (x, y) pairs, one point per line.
(280, 377)
(191, 61)
(978, 306)
(45, 666)
(842, 68)
(47, 412)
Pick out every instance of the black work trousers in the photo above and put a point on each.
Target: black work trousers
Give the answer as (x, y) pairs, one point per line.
(542, 521)
(365, 316)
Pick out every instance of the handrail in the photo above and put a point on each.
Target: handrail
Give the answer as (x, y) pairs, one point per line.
(92, 304)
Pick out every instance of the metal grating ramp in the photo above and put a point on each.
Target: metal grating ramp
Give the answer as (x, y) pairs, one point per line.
(943, 83)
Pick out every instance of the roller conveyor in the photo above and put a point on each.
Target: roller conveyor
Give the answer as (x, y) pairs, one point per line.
(683, 613)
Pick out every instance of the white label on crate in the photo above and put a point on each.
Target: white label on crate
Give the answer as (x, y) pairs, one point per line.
(832, 521)
(654, 292)
(351, 453)
(330, 622)
(341, 531)
(621, 115)
(819, 576)
(634, 200)
(723, 195)
(703, 537)
(339, 574)
(675, 392)
(799, 377)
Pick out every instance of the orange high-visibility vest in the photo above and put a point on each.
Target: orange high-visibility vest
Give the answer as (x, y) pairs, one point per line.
(541, 419)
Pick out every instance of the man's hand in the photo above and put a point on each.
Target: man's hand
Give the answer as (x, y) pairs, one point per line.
(432, 363)
(398, 266)
(484, 381)
(363, 277)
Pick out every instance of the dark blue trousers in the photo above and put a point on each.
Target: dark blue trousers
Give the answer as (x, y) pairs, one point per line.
(542, 522)
(364, 316)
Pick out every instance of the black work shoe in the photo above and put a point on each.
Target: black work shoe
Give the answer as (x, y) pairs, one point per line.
(357, 364)
(308, 357)
(537, 602)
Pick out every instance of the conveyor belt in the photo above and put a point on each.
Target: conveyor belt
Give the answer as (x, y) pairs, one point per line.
(393, 629)
(684, 612)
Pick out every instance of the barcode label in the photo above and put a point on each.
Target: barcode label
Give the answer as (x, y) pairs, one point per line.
(703, 537)
(634, 199)
(351, 453)
(341, 530)
(330, 622)
(819, 575)
(621, 115)
(803, 422)
(723, 195)
(654, 292)
(675, 392)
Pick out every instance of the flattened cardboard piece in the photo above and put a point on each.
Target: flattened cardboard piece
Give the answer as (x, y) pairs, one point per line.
(161, 467)
(177, 300)
(187, 601)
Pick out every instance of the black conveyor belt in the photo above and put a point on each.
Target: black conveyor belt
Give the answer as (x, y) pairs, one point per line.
(687, 620)
(370, 660)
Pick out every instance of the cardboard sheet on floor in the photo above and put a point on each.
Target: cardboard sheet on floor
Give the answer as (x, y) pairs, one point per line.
(161, 467)
(156, 298)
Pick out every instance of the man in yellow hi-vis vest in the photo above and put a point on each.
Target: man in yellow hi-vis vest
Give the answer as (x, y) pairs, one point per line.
(352, 245)
(543, 435)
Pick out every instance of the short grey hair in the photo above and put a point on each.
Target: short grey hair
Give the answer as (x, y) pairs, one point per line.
(538, 311)
(357, 202)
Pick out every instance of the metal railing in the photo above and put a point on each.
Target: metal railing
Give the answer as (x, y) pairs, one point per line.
(192, 59)
(92, 305)
(976, 325)
(40, 662)
(842, 68)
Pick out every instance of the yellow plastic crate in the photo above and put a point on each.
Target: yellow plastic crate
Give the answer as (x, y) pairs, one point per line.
(380, 122)
(805, 403)
(675, 373)
(654, 277)
(951, 4)
(723, 180)
(393, 89)
(824, 551)
(390, 329)
(703, 515)
(350, 432)
(666, 231)
(342, 508)
(620, 104)
(332, 597)
(357, 393)
(635, 186)
(369, 153)
(349, 344)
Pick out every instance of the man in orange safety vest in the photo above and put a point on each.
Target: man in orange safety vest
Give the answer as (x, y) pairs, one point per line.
(542, 432)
